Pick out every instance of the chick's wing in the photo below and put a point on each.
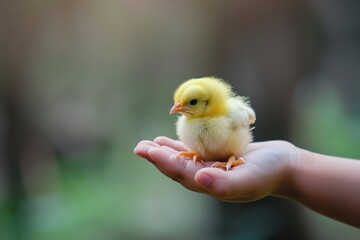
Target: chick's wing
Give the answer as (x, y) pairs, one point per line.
(240, 112)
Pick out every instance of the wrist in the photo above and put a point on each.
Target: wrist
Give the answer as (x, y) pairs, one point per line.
(287, 184)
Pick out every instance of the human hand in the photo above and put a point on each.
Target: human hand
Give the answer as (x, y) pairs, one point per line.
(267, 170)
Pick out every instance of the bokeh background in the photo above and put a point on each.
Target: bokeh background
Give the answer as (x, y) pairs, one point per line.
(81, 82)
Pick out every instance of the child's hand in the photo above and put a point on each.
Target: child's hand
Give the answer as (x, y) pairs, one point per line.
(266, 172)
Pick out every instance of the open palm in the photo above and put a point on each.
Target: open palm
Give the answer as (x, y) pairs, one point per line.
(266, 171)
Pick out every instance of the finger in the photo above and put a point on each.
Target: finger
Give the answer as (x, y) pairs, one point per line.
(175, 144)
(167, 162)
(178, 169)
(142, 150)
(228, 185)
(147, 142)
(171, 150)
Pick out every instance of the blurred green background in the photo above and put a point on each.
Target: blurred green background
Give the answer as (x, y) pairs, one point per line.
(81, 82)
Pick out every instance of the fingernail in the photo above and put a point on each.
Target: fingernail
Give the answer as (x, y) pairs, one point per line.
(204, 180)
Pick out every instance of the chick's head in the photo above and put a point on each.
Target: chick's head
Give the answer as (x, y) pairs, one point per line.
(202, 97)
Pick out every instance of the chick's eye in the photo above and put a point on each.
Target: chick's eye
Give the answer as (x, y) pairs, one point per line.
(193, 102)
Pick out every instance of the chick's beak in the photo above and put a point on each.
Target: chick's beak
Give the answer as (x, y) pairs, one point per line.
(178, 108)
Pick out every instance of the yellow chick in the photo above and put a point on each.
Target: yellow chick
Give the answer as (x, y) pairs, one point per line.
(214, 122)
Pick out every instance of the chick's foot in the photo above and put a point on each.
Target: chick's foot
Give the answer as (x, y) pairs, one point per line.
(190, 155)
(232, 162)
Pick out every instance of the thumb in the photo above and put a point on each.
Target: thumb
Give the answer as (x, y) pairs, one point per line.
(214, 180)
(229, 185)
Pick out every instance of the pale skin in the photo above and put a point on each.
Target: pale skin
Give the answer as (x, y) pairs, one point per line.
(326, 184)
